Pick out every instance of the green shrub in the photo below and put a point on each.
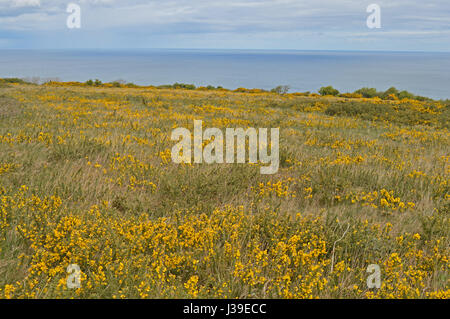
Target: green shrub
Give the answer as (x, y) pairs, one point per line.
(184, 86)
(96, 82)
(392, 91)
(281, 89)
(328, 90)
(13, 80)
(406, 95)
(367, 92)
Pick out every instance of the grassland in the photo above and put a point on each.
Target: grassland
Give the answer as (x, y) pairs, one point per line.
(86, 178)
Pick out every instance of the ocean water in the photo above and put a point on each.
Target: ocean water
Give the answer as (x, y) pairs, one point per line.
(426, 74)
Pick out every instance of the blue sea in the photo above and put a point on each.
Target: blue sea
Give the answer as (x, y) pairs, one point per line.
(426, 74)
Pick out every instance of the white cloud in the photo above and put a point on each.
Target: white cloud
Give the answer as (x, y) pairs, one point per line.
(214, 19)
(25, 3)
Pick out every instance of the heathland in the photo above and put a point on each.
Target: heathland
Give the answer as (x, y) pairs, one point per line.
(86, 178)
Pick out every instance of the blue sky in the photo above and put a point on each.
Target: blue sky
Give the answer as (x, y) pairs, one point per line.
(417, 25)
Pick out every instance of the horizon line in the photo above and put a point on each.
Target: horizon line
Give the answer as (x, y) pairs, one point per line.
(223, 49)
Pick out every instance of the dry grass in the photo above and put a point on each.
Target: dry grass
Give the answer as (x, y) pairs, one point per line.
(86, 178)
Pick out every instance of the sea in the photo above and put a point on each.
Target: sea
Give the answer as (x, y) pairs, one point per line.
(422, 73)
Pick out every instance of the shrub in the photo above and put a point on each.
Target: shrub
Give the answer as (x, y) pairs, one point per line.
(389, 93)
(118, 83)
(367, 92)
(13, 80)
(406, 95)
(401, 114)
(391, 97)
(281, 89)
(256, 91)
(351, 95)
(307, 93)
(97, 82)
(183, 86)
(328, 90)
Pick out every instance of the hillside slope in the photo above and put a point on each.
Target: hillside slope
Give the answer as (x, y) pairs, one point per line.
(86, 178)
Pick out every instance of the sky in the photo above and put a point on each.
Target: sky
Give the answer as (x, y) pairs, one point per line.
(406, 25)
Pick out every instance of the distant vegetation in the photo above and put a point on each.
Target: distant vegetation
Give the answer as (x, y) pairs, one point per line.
(281, 89)
(13, 80)
(329, 90)
(390, 94)
(97, 82)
